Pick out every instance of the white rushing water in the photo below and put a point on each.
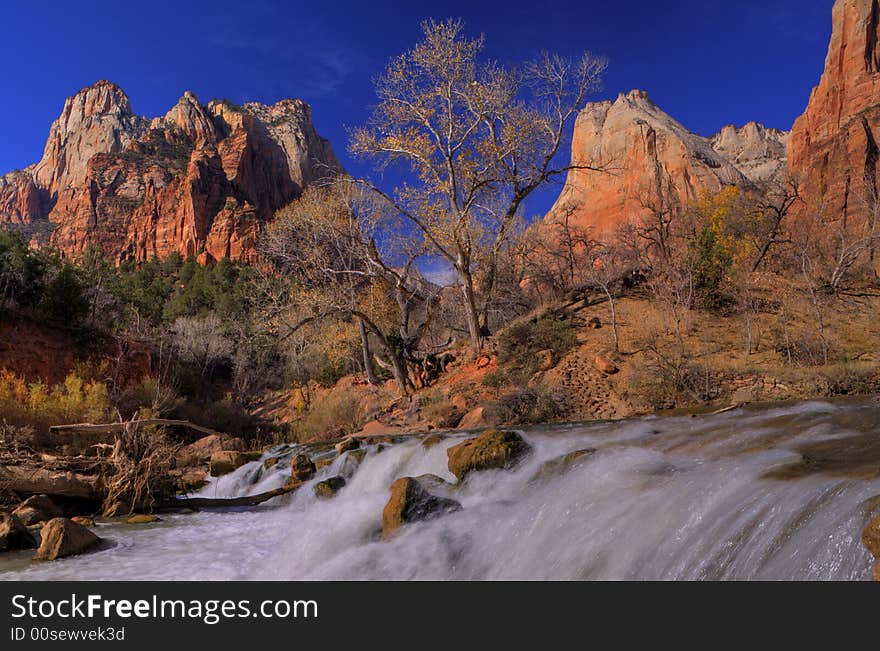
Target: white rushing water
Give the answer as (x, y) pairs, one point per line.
(662, 498)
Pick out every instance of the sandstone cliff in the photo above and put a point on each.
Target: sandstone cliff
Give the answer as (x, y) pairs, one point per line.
(651, 158)
(198, 181)
(833, 149)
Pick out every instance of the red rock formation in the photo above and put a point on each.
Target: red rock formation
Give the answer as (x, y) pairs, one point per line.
(833, 149)
(198, 181)
(651, 159)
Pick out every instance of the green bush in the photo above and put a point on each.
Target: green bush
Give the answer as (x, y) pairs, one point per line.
(519, 344)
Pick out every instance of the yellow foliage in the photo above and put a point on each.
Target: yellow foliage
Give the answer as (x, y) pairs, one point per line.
(74, 400)
(723, 214)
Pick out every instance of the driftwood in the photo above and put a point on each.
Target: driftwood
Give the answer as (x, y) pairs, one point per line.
(226, 502)
(108, 428)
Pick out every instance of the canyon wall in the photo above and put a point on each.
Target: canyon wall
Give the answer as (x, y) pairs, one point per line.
(198, 181)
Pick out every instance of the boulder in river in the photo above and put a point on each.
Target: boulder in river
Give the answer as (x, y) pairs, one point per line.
(329, 487)
(226, 461)
(302, 468)
(493, 449)
(143, 518)
(28, 515)
(560, 465)
(84, 521)
(411, 502)
(45, 504)
(347, 444)
(61, 537)
(14, 535)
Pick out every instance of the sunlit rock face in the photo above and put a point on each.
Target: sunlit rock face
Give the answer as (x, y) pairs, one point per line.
(833, 148)
(199, 180)
(642, 157)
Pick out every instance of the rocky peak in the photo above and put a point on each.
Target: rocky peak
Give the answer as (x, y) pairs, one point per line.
(645, 149)
(193, 119)
(833, 149)
(98, 119)
(200, 180)
(757, 151)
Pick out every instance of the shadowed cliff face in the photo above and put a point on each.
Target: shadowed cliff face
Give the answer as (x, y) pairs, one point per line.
(198, 181)
(650, 159)
(833, 149)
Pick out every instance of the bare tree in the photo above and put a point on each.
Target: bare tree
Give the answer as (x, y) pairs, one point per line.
(201, 341)
(323, 241)
(479, 139)
(773, 210)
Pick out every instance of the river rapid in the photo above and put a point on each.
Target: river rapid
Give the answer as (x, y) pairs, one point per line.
(758, 493)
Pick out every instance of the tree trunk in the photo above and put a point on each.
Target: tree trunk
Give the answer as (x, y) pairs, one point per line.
(369, 372)
(226, 502)
(470, 307)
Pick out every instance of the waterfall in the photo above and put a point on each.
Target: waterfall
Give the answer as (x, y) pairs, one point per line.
(662, 498)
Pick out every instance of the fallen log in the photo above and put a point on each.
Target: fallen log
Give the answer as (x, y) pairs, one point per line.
(30, 480)
(108, 428)
(226, 502)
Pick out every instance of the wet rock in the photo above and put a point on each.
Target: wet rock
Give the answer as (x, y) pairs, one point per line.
(411, 502)
(84, 521)
(143, 518)
(270, 463)
(871, 537)
(329, 487)
(322, 463)
(61, 537)
(45, 504)
(605, 365)
(493, 449)
(347, 444)
(351, 462)
(560, 465)
(430, 441)
(28, 515)
(226, 461)
(302, 468)
(14, 535)
(192, 479)
(876, 573)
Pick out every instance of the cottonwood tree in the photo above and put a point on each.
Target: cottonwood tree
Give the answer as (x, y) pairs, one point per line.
(478, 138)
(201, 341)
(324, 242)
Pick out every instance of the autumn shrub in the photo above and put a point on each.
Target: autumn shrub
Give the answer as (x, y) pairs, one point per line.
(439, 411)
(38, 405)
(335, 415)
(527, 406)
(518, 344)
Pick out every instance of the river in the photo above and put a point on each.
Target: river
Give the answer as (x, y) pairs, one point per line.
(723, 497)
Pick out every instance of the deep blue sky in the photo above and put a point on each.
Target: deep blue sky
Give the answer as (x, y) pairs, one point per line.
(706, 63)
